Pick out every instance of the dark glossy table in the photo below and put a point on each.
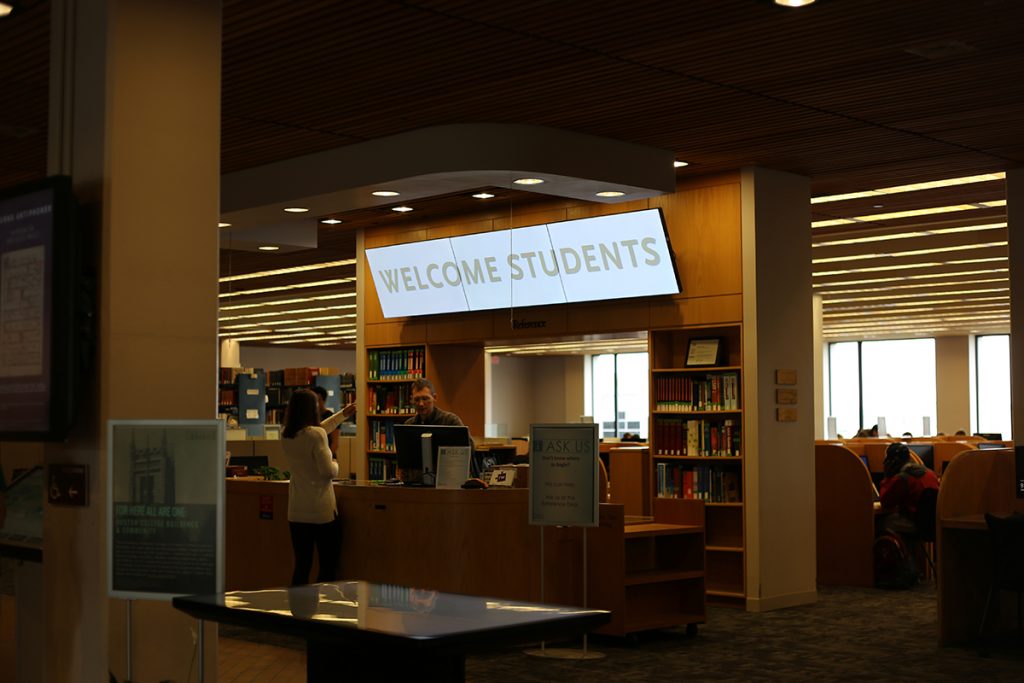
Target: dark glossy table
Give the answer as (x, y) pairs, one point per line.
(356, 630)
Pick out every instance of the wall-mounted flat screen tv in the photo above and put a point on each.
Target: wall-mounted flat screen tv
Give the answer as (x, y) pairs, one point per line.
(616, 256)
(40, 282)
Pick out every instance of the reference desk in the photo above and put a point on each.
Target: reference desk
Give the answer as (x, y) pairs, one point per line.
(975, 482)
(360, 631)
(480, 542)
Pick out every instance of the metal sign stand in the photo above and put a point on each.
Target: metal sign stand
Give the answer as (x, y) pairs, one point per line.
(564, 652)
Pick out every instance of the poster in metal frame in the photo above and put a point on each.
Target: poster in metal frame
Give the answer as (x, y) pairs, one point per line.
(564, 474)
(165, 508)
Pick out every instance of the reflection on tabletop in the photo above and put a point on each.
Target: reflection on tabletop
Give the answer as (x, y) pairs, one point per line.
(411, 612)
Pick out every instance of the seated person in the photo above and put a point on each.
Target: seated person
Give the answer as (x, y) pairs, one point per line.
(901, 488)
(427, 413)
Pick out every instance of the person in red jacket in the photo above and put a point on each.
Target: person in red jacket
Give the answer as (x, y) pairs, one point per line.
(902, 488)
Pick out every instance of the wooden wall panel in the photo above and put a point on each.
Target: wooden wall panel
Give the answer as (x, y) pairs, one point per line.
(704, 227)
(384, 334)
(530, 323)
(535, 217)
(460, 326)
(588, 210)
(600, 317)
(711, 310)
(457, 372)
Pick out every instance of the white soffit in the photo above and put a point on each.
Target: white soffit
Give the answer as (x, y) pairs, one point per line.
(444, 160)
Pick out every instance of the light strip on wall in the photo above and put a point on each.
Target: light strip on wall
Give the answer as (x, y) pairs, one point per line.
(930, 310)
(273, 334)
(916, 295)
(288, 271)
(876, 217)
(915, 285)
(909, 252)
(896, 189)
(301, 285)
(271, 314)
(288, 302)
(921, 276)
(910, 235)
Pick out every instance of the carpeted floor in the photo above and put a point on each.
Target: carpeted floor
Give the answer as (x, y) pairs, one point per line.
(850, 634)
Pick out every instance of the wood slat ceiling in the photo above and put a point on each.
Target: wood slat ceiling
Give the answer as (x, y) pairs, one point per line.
(855, 95)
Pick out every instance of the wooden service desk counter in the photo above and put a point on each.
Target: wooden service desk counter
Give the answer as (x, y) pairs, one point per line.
(479, 542)
(975, 482)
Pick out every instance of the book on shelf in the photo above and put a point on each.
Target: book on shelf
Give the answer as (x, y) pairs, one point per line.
(382, 435)
(696, 437)
(686, 394)
(380, 467)
(390, 399)
(710, 483)
(396, 364)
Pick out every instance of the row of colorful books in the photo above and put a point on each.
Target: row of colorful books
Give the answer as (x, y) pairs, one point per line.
(712, 484)
(382, 435)
(391, 399)
(702, 438)
(683, 393)
(396, 364)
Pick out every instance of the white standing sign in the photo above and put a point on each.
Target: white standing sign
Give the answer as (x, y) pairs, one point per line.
(564, 474)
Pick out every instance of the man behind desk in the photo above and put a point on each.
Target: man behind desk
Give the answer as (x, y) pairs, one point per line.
(427, 413)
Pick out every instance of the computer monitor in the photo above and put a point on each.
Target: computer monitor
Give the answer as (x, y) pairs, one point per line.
(926, 452)
(409, 451)
(990, 436)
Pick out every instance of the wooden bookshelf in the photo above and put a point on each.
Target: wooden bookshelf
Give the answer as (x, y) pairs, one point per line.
(696, 442)
(390, 374)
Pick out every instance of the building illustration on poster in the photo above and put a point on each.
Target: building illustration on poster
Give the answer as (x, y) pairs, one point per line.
(167, 493)
(152, 474)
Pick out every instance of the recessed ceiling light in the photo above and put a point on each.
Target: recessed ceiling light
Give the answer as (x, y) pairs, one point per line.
(793, 3)
(680, 164)
(223, 225)
(528, 181)
(296, 209)
(483, 195)
(385, 193)
(401, 209)
(268, 247)
(610, 193)
(330, 221)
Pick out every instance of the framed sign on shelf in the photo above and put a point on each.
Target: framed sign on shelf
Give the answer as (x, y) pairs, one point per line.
(703, 352)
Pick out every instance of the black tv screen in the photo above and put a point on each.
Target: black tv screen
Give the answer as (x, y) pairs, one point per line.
(40, 270)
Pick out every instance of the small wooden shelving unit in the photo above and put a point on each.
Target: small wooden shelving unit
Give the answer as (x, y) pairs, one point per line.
(650, 573)
(696, 442)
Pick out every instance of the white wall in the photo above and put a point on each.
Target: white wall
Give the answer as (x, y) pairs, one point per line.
(534, 389)
(273, 358)
(952, 384)
(778, 333)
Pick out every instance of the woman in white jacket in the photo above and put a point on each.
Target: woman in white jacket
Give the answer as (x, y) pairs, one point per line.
(312, 510)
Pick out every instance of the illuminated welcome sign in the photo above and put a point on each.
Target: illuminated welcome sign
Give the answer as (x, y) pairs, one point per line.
(606, 257)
